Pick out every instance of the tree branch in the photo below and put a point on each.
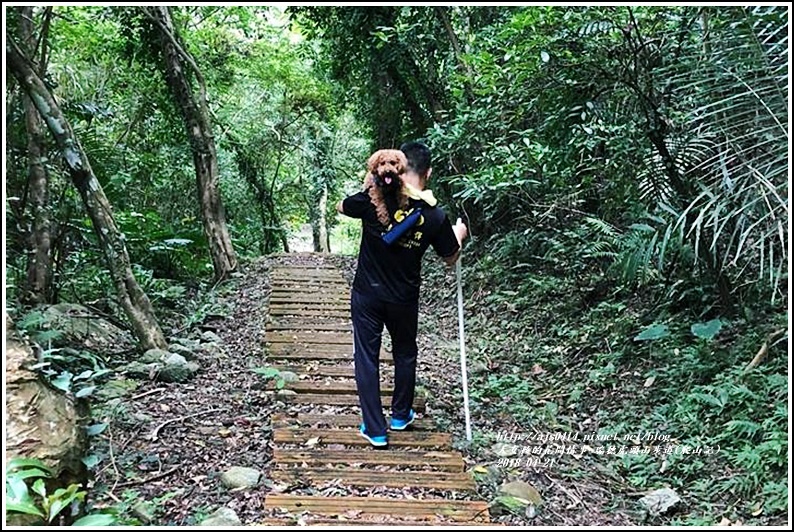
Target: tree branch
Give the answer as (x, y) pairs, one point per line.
(169, 33)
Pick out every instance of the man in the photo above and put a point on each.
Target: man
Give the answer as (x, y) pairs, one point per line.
(386, 291)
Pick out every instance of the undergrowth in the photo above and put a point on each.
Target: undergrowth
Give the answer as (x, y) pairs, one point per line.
(574, 349)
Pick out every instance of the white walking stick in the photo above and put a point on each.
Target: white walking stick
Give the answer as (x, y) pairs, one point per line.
(464, 377)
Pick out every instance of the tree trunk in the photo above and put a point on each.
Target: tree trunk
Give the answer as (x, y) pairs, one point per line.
(132, 299)
(202, 144)
(320, 222)
(441, 13)
(39, 272)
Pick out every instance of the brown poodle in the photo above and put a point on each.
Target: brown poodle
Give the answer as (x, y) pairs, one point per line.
(384, 178)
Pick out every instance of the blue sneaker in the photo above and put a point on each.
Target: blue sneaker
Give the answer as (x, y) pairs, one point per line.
(376, 441)
(400, 424)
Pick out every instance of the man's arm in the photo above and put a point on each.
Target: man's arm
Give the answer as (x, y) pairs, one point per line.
(461, 231)
(340, 208)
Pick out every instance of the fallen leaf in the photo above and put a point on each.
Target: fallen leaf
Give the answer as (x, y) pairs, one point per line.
(480, 469)
(537, 369)
(530, 511)
(311, 442)
(279, 487)
(725, 522)
(758, 511)
(224, 433)
(649, 381)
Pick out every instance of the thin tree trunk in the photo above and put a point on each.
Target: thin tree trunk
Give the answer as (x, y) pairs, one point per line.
(272, 207)
(320, 225)
(441, 13)
(199, 130)
(133, 300)
(39, 272)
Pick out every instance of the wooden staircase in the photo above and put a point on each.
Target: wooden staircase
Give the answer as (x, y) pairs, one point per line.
(419, 479)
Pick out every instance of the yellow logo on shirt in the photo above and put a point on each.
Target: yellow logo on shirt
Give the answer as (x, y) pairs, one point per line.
(412, 239)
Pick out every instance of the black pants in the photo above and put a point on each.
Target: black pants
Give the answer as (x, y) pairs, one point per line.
(370, 314)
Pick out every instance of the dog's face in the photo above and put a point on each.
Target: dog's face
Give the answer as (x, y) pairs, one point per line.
(387, 167)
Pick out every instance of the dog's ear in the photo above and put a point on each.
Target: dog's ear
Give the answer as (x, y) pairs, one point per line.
(368, 181)
(372, 162)
(403, 161)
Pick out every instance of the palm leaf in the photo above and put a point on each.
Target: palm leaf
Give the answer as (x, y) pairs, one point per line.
(737, 149)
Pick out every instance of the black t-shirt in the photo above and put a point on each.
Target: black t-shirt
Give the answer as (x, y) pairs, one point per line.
(393, 272)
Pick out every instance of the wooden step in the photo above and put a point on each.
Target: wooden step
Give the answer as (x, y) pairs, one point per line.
(335, 387)
(309, 313)
(409, 438)
(280, 290)
(321, 326)
(310, 338)
(318, 320)
(287, 283)
(306, 270)
(336, 420)
(437, 460)
(299, 354)
(308, 277)
(339, 400)
(311, 305)
(351, 476)
(317, 369)
(286, 348)
(307, 298)
(304, 267)
(422, 508)
(321, 370)
(375, 522)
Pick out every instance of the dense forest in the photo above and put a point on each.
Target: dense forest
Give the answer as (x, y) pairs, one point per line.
(623, 172)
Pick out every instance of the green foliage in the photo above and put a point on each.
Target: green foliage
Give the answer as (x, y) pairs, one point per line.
(27, 493)
(346, 236)
(653, 332)
(170, 250)
(271, 374)
(734, 410)
(707, 330)
(69, 370)
(602, 116)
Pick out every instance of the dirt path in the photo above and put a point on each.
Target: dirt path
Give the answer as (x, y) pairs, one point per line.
(167, 445)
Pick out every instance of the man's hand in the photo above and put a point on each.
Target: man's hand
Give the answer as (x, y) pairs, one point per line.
(461, 232)
(339, 208)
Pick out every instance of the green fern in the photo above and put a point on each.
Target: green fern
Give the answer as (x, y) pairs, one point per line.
(738, 154)
(742, 428)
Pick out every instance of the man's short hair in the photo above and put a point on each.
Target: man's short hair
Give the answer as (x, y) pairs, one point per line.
(418, 155)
